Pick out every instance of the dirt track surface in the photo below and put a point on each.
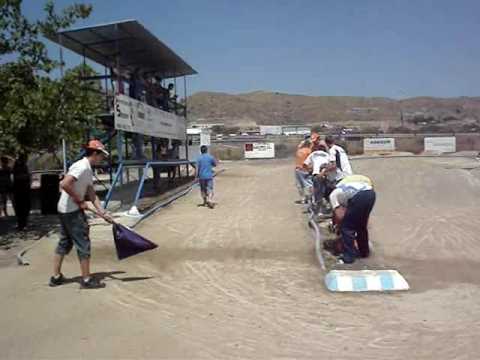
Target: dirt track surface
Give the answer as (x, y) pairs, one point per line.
(242, 281)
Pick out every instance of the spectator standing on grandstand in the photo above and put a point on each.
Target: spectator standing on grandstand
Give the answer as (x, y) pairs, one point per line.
(339, 155)
(320, 164)
(356, 194)
(301, 172)
(5, 185)
(204, 173)
(21, 191)
(171, 92)
(77, 188)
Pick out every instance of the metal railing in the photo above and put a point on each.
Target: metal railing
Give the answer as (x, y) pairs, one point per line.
(144, 166)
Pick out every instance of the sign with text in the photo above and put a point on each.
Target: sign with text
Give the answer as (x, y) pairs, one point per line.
(440, 144)
(135, 116)
(259, 151)
(379, 144)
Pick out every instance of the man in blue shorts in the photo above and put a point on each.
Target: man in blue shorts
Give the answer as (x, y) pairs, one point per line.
(205, 165)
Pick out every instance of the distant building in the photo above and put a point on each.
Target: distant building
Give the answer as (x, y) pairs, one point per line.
(270, 130)
(286, 130)
(362, 110)
(295, 130)
(205, 125)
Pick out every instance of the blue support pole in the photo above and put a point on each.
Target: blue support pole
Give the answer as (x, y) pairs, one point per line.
(140, 186)
(120, 151)
(118, 174)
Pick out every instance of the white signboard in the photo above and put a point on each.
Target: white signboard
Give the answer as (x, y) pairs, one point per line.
(379, 144)
(440, 144)
(137, 117)
(205, 137)
(259, 151)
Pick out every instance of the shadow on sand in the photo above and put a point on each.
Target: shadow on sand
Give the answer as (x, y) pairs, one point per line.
(110, 275)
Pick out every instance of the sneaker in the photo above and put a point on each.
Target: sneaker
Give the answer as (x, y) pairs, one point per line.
(343, 260)
(56, 281)
(211, 205)
(92, 283)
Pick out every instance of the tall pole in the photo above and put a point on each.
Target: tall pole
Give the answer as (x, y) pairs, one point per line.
(185, 94)
(185, 116)
(64, 143)
(116, 92)
(64, 155)
(175, 94)
(401, 107)
(106, 89)
(84, 90)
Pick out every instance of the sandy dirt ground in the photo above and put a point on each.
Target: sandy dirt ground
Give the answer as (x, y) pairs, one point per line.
(242, 281)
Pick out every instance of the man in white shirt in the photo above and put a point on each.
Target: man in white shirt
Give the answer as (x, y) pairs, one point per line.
(321, 166)
(355, 194)
(339, 155)
(77, 188)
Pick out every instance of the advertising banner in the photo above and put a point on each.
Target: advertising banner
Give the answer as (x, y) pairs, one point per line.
(259, 151)
(378, 144)
(440, 144)
(135, 116)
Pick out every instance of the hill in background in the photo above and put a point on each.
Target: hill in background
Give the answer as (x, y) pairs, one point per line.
(359, 113)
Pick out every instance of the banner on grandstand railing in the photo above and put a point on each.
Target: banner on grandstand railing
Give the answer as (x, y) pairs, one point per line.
(379, 144)
(259, 150)
(137, 117)
(440, 144)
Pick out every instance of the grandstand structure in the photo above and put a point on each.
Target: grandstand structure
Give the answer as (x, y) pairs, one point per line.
(144, 120)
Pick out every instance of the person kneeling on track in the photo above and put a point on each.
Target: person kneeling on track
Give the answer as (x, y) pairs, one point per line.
(302, 175)
(321, 166)
(356, 194)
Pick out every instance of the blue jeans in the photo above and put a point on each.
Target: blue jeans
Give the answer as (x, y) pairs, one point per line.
(322, 188)
(74, 229)
(303, 180)
(354, 225)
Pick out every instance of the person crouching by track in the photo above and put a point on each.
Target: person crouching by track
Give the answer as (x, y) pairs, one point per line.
(355, 193)
(321, 166)
(302, 175)
(204, 173)
(77, 187)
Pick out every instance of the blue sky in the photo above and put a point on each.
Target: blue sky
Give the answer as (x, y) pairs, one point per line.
(393, 48)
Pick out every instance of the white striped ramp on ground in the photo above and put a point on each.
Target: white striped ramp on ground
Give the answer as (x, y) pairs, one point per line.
(365, 280)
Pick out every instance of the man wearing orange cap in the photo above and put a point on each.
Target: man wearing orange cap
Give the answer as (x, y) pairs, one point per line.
(77, 188)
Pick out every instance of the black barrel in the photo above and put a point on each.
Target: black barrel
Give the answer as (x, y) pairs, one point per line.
(49, 193)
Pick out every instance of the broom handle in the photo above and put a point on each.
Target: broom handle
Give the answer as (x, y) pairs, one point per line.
(100, 215)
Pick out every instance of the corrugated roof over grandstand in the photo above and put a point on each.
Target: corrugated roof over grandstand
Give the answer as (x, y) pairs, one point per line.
(128, 41)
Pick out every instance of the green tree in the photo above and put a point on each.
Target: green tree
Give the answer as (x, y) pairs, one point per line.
(36, 111)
